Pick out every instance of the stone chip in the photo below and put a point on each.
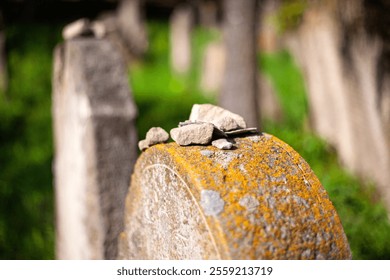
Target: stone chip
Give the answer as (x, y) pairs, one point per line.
(221, 118)
(222, 144)
(197, 133)
(241, 131)
(78, 28)
(155, 135)
(143, 145)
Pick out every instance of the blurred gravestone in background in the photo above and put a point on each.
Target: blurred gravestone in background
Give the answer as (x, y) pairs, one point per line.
(3, 57)
(213, 67)
(132, 26)
(95, 147)
(181, 24)
(239, 86)
(343, 49)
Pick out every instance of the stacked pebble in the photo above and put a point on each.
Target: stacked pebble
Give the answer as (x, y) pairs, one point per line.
(208, 124)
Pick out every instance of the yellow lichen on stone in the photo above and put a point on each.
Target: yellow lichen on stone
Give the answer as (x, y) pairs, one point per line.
(274, 207)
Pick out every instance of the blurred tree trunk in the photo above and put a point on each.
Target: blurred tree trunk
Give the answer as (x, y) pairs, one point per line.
(239, 86)
(3, 58)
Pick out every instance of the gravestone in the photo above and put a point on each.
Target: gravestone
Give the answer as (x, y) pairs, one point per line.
(95, 147)
(132, 27)
(213, 67)
(181, 23)
(259, 200)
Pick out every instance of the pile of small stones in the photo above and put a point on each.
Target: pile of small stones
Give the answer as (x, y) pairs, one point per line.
(208, 124)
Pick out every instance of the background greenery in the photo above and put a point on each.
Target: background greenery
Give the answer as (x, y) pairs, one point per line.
(163, 99)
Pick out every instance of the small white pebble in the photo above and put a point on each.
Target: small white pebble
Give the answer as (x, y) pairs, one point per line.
(222, 144)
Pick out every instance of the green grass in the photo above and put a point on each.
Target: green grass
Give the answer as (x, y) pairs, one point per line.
(26, 194)
(163, 99)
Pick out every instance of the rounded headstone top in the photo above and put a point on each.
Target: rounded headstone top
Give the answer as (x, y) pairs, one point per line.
(259, 200)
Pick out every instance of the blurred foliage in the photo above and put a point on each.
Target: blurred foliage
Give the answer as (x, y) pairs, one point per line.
(163, 98)
(26, 194)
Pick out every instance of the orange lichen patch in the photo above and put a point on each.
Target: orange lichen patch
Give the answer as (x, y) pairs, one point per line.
(274, 206)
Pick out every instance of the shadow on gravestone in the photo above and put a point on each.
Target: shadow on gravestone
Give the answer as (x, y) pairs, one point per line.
(95, 147)
(260, 200)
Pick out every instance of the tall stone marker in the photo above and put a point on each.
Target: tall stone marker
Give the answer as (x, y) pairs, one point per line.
(95, 147)
(260, 200)
(181, 23)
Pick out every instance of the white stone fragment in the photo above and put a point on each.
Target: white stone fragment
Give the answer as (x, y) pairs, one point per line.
(221, 118)
(241, 131)
(155, 135)
(143, 145)
(222, 144)
(77, 28)
(99, 29)
(199, 133)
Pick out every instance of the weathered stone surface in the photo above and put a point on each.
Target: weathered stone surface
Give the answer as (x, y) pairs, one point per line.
(222, 144)
(77, 28)
(259, 201)
(221, 118)
(154, 136)
(199, 133)
(95, 147)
